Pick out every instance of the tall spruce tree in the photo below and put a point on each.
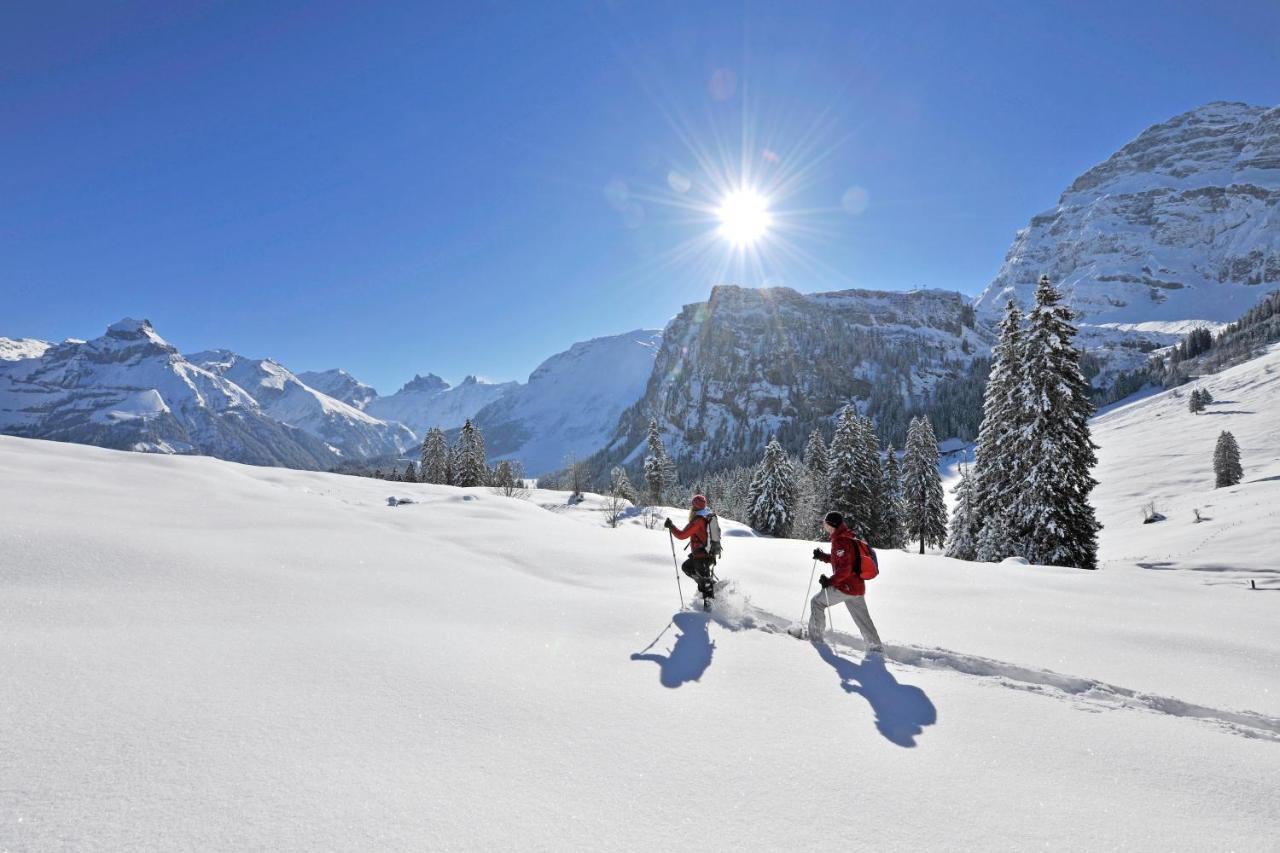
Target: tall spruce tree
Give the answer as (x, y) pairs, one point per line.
(772, 496)
(620, 484)
(1052, 516)
(873, 475)
(814, 487)
(471, 467)
(410, 473)
(659, 470)
(847, 492)
(1227, 470)
(1000, 455)
(893, 518)
(435, 457)
(926, 511)
(961, 544)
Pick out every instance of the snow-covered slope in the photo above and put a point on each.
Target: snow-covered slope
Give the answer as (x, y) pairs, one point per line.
(1154, 450)
(1182, 224)
(339, 385)
(428, 401)
(571, 402)
(202, 655)
(13, 349)
(286, 398)
(130, 389)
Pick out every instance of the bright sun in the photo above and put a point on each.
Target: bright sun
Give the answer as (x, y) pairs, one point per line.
(744, 217)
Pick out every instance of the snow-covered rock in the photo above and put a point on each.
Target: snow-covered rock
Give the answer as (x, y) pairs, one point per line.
(283, 396)
(1182, 225)
(428, 401)
(13, 349)
(571, 402)
(130, 389)
(339, 385)
(750, 364)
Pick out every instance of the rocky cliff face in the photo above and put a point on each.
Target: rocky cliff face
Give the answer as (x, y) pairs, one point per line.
(750, 364)
(1182, 224)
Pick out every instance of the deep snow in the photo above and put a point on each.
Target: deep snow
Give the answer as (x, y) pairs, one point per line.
(204, 655)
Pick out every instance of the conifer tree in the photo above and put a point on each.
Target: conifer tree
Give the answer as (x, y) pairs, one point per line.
(894, 530)
(996, 541)
(435, 457)
(961, 544)
(471, 467)
(659, 470)
(620, 484)
(813, 502)
(873, 475)
(926, 511)
(773, 493)
(848, 493)
(1053, 519)
(1227, 470)
(1001, 450)
(410, 473)
(1196, 403)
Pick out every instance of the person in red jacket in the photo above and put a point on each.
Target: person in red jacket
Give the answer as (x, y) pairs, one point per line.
(844, 585)
(700, 561)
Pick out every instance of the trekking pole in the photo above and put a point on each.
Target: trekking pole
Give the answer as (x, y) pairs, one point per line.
(805, 606)
(676, 565)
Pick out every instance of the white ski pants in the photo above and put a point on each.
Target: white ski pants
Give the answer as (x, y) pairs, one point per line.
(857, 605)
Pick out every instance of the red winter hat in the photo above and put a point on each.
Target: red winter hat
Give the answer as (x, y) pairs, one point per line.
(698, 502)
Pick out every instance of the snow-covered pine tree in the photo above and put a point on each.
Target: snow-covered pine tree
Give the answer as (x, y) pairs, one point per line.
(961, 544)
(659, 471)
(814, 487)
(1052, 517)
(435, 457)
(773, 493)
(1227, 470)
(847, 492)
(410, 473)
(891, 489)
(873, 476)
(620, 484)
(1196, 402)
(926, 511)
(996, 541)
(1205, 397)
(1000, 455)
(472, 468)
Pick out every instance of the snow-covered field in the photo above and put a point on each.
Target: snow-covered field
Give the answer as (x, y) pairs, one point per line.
(200, 655)
(1155, 450)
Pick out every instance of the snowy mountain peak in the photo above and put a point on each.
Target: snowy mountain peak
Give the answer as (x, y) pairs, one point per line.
(13, 349)
(340, 385)
(127, 333)
(428, 384)
(1181, 224)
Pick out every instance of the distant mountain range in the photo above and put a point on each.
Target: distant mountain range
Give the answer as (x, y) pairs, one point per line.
(1180, 228)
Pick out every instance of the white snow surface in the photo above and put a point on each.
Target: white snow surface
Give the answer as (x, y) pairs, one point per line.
(571, 402)
(203, 655)
(1156, 450)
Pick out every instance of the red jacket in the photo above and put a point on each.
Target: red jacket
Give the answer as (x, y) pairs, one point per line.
(844, 562)
(697, 531)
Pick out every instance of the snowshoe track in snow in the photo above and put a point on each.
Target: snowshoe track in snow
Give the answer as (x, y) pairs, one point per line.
(735, 612)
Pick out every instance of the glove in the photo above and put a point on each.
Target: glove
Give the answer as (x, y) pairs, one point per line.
(817, 554)
(824, 581)
(667, 524)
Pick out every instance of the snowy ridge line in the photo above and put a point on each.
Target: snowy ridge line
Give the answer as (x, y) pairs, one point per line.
(1243, 723)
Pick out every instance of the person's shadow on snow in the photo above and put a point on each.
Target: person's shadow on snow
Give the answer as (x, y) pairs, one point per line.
(691, 654)
(902, 710)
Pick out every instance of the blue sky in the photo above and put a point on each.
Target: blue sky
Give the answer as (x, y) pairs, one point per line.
(471, 187)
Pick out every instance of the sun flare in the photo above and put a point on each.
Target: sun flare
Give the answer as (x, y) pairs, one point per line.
(744, 217)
